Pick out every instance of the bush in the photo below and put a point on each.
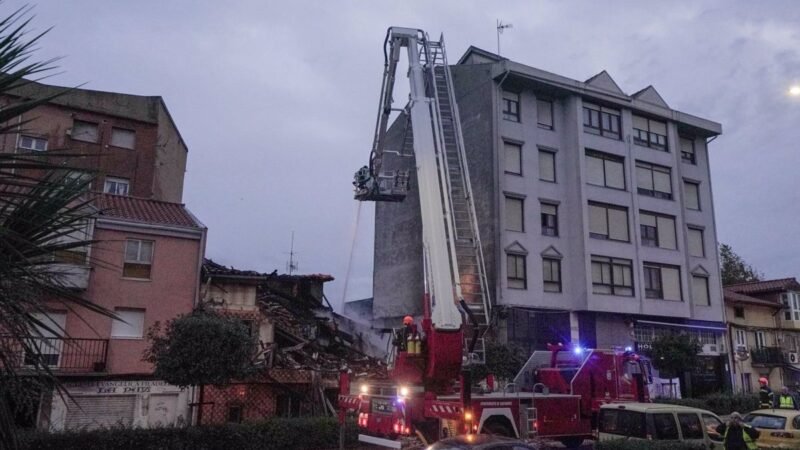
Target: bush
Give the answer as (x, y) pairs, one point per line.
(622, 444)
(721, 404)
(277, 434)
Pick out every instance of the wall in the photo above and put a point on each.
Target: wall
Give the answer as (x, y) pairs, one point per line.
(170, 162)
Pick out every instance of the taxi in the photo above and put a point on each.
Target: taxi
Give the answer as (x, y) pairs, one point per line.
(780, 428)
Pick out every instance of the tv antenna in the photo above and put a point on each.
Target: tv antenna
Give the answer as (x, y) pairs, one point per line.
(500, 27)
(291, 265)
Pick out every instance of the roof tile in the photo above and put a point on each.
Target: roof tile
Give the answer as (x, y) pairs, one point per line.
(145, 210)
(759, 287)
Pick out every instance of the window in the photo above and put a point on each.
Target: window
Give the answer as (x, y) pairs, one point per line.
(711, 423)
(622, 422)
(32, 143)
(747, 386)
(761, 339)
(657, 230)
(653, 180)
(787, 313)
(691, 428)
(511, 106)
(513, 158)
(514, 214)
(696, 247)
(700, 290)
(84, 131)
(116, 186)
(741, 337)
(612, 276)
(551, 274)
(549, 219)
(547, 166)
(74, 256)
(235, 414)
(603, 169)
(665, 428)
(601, 120)
(544, 114)
(131, 326)
(650, 133)
(662, 282)
(738, 312)
(608, 222)
(517, 278)
(138, 259)
(121, 137)
(687, 151)
(692, 192)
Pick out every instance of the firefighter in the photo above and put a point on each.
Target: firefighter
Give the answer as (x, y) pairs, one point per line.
(765, 394)
(737, 435)
(409, 331)
(786, 400)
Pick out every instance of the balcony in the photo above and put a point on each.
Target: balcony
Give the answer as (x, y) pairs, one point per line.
(767, 356)
(61, 355)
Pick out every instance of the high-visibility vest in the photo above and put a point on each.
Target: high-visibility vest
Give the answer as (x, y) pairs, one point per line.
(748, 441)
(786, 402)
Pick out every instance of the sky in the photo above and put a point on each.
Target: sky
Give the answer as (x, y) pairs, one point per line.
(277, 102)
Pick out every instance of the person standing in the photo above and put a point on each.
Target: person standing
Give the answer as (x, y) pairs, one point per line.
(765, 394)
(786, 400)
(737, 435)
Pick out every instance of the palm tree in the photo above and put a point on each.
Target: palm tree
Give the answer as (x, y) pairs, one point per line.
(44, 209)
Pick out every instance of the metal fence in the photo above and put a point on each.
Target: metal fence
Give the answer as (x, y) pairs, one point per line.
(59, 354)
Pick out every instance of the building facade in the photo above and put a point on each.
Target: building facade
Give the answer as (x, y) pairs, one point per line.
(595, 211)
(764, 332)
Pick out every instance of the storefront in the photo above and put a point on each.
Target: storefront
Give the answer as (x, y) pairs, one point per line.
(109, 403)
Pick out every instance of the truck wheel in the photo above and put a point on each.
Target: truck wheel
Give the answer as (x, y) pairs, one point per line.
(572, 442)
(498, 429)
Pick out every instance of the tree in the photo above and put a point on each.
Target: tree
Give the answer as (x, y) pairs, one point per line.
(202, 347)
(734, 268)
(672, 354)
(502, 360)
(44, 210)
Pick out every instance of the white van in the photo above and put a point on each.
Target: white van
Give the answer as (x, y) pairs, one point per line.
(658, 421)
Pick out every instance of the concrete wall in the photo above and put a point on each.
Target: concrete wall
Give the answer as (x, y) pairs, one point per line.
(171, 154)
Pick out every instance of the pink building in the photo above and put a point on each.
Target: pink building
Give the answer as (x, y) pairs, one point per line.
(146, 268)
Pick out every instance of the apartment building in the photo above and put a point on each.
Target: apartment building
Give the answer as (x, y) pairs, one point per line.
(129, 141)
(764, 331)
(595, 211)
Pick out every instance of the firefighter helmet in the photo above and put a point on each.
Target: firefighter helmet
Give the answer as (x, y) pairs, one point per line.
(408, 320)
(763, 380)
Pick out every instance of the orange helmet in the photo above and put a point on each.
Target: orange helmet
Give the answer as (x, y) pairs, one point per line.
(408, 320)
(763, 380)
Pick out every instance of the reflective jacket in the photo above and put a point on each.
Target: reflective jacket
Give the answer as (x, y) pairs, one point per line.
(786, 401)
(746, 431)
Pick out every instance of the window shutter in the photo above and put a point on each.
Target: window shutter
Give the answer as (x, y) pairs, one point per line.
(123, 138)
(647, 219)
(700, 290)
(696, 242)
(686, 145)
(544, 109)
(594, 171)
(597, 220)
(514, 214)
(658, 127)
(662, 181)
(618, 224)
(513, 159)
(666, 232)
(614, 174)
(692, 199)
(547, 166)
(102, 411)
(644, 178)
(548, 209)
(131, 325)
(671, 283)
(639, 123)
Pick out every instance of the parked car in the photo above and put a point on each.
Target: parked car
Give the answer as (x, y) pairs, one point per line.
(780, 428)
(480, 442)
(656, 421)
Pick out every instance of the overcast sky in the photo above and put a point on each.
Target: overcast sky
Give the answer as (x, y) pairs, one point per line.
(277, 102)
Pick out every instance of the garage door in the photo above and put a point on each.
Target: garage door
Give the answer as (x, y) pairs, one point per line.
(100, 411)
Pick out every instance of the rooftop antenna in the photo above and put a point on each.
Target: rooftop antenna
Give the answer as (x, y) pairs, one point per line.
(291, 265)
(500, 27)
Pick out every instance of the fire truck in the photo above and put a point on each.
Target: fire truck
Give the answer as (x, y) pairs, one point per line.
(429, 392)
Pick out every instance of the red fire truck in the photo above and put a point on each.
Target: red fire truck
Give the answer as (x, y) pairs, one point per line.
(429, 391)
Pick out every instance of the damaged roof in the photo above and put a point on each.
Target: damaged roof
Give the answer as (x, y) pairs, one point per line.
(765, 286)
(215, 269)
(144, 210)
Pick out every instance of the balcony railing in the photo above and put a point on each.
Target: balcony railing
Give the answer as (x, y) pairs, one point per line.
(61, 355)
(767, 356)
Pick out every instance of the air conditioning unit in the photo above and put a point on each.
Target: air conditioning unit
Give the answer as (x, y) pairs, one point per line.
(793, 358)
(710, 348)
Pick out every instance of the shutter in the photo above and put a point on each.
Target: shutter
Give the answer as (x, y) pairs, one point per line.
(547, 166)
(658, 127)
(666, 233)
(123, 138)
(131, 325)
(544, 109)
(696, 242)
(513, 158)
(700, 291)
(100, 411)
(686, 145)
(644, 178)
(639, 123)
(614, 176)
(594, 171)
(671, 283)
(514, 214)
(597, 272)
(662, 182)
(597, 220)
(648, 220)
(548, 209)
(618, 224)
(692, 199)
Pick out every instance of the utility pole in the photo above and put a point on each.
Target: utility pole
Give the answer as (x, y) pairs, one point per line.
(291, 266)
(500, 27)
